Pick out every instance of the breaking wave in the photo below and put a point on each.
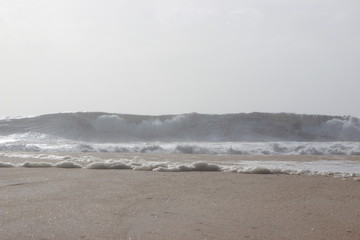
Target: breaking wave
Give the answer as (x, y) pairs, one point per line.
(104, 127)
(234, 134)
(212, 148)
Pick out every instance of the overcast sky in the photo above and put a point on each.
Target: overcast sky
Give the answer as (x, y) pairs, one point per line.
(178, 56)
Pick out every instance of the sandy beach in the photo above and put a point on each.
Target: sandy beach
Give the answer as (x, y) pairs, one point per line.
(180, 120)
(58, 203)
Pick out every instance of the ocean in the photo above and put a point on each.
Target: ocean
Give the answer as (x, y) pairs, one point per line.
(265, 143)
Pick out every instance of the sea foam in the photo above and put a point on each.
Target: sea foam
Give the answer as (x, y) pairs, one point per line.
(36, 165)
(336, 168)
(228, 148)
(108, 165)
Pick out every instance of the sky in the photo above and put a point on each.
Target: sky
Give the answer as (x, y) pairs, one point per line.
(168, 57)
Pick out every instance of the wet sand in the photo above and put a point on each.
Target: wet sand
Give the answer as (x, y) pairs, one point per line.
(57, 203)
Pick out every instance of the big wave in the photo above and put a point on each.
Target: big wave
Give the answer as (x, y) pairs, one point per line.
(260, 127)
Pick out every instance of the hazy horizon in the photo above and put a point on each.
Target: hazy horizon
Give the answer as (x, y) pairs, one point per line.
(170, 114)
(156, 57)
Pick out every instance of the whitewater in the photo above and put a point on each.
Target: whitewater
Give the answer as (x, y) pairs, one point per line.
(185, 142)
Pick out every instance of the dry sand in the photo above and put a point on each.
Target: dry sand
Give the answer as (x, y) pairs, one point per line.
(119, 204)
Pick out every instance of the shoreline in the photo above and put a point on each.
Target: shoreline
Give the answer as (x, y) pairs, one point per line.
(307, 165)
(56, 203)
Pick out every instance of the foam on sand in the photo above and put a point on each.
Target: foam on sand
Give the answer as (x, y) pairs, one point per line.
(342, 167)
(108, 165)
(36, 165)
(196, 166)
(150, 166)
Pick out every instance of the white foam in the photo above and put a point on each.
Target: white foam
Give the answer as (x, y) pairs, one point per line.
(319, 168)
(341, 167)
(108, 165)
(51, 157)
(174, 168)
(229, 148)
(149, 166)
(36, 165)
(196, 166)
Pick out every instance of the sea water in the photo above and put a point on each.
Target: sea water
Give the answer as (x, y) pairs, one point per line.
(241, 143)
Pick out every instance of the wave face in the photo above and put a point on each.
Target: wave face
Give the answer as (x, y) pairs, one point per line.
(193, 127)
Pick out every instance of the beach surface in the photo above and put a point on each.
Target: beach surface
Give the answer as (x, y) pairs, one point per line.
(54, 203)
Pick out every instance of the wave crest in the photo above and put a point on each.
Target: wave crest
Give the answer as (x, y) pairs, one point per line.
(102, 127)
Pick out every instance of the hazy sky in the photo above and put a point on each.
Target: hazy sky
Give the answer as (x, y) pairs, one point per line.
(178, 56)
